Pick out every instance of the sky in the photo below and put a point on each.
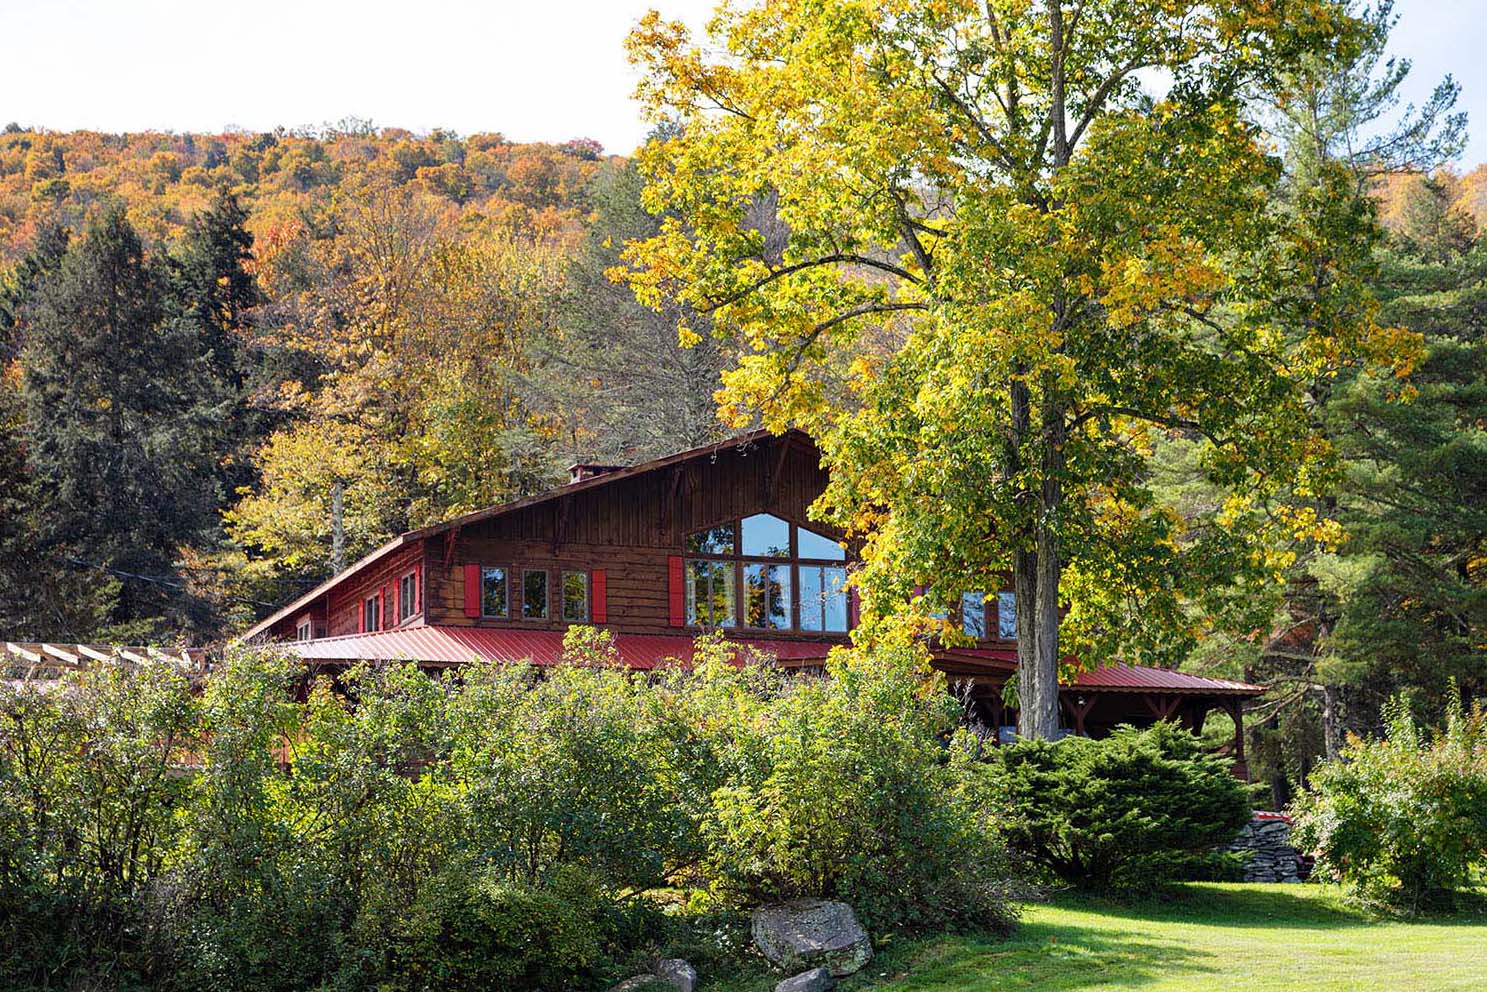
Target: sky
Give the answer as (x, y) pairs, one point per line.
(535, 70)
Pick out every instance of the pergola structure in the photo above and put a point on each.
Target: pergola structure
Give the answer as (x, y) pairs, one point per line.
(33, 661)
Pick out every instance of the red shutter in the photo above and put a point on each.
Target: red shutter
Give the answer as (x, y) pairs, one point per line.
(383, 617)
(472, 590)
(397, 604)
(363, 616)
(678, 591)
(417, 589)
(854, 609)
(598, 608)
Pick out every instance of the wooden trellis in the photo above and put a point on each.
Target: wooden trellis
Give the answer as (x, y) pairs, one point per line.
(38, 661)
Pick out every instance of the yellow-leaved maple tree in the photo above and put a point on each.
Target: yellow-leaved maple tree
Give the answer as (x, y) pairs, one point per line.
(986, 251)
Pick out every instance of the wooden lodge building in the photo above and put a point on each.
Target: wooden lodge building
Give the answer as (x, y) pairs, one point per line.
(712, 538)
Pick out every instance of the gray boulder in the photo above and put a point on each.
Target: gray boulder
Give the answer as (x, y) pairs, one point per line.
(815, 980)
(681, 975)
(812, 933)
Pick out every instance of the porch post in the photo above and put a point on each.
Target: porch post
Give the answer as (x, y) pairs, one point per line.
(1235, 709)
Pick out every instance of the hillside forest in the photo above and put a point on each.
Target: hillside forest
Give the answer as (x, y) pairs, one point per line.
(208, 341)
(233, 363)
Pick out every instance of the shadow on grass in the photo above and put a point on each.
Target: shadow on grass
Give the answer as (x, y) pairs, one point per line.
(1041, 956)
(1291, 906)
(1299, 907)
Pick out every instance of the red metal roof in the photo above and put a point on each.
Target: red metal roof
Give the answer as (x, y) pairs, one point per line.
(457, 645)
(1133, 678)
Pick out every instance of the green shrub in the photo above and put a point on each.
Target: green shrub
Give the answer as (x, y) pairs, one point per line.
(1402, 820)
(567, 770)
(473, 931)
(1123, 814)
(496, 827)
(844, 787)
(92, 804)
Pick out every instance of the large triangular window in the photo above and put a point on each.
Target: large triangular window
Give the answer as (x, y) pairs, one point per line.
(764, 573)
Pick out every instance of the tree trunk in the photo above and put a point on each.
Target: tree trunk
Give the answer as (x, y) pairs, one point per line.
(337, 528)
(1036, 583)
(1035, 576)
(1332, 732)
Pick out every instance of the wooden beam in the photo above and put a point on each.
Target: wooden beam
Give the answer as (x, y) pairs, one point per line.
(560, 526)
(668, 504)
(57, 652)
(773, 471)
(1079, 710)
(89, 651)
(1235, 709)
(1162, 707)
(21, 652)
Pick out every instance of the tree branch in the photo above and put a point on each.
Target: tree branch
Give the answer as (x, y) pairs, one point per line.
(833, 259)
(1164, 420)
(976, 122)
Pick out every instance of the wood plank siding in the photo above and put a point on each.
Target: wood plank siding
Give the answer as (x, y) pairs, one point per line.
(629, 528)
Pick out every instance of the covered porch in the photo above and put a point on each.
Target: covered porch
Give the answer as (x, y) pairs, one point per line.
(1098, 700)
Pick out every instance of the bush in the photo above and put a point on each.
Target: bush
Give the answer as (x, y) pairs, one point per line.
(1124, 814)
(1402, 820)
(844, 787)
(91, 810)
(493, 828)
(471, 930)
(463, 813)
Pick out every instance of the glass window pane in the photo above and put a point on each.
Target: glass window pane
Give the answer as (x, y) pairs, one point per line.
(534, 595)
(576, 597)
(823, 598)
(493, 602)
(710, 601)
(1006, 603)
(713, 541)
(835, 599)
(766, 536)
(767, 588)
(810, 597)
(407, 596)
(725, 613)
(697, 591)
(813, 545)
(973, 614)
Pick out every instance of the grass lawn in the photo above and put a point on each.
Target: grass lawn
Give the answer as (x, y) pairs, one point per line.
(1209, 937)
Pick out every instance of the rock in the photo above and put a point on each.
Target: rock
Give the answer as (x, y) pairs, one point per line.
(644, 983)
(679, 973)
(815, 980)
(1267, 840)
(810, 933)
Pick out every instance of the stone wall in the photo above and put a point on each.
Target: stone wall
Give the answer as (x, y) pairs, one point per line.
(1267, 838)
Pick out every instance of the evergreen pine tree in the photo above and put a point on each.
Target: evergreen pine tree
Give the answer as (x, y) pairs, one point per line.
(215, 294)
(1413, 574)
(121, 415)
